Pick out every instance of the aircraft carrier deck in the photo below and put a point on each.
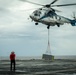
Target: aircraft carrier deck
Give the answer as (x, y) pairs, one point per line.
(39, 67)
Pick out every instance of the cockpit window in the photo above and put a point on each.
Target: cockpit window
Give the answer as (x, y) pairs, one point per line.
(40, 8)
(50, 11)
(37, 13)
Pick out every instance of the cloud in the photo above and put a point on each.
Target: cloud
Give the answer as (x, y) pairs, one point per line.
(20, 34)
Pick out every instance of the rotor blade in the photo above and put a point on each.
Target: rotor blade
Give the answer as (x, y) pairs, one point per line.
(32, 2)
(56, 10)
(74, 14)
(53, 2)
(64, 5)
(30, 9)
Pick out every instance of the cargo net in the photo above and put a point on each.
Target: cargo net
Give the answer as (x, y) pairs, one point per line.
(48, 50)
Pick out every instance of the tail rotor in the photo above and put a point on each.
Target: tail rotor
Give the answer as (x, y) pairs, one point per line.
(74, 16)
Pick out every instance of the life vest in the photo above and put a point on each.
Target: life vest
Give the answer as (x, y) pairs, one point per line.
(12, 56)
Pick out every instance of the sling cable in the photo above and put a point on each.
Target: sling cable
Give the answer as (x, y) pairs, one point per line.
(48, 51)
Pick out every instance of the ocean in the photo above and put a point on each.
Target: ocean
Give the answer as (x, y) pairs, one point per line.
(38, 57)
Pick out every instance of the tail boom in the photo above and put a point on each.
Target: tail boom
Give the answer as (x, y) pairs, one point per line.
(73, 22)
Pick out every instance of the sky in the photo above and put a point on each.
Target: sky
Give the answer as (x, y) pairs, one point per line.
(19, 34)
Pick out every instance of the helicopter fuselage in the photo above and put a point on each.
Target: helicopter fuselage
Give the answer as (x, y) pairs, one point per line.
(49, 17)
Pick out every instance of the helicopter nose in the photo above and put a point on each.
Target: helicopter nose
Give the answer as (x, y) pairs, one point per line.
(31, 16)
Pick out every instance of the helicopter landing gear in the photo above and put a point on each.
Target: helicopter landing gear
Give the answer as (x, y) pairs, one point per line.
(48, 26)
(36, 23)
(58, 25)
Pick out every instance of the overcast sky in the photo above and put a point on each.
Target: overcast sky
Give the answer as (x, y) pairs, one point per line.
(20, 34)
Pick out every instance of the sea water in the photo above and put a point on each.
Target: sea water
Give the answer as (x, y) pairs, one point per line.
(38, 57)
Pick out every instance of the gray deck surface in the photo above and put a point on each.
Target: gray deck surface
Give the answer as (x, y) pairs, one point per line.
(39, 67)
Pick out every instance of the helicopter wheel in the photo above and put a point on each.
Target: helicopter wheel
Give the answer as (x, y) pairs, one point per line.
(58, 25)
(36, 23)
(48, 27)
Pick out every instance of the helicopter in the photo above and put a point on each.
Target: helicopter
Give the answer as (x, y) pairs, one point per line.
(48, 16)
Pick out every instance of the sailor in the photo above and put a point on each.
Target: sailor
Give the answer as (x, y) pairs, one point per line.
(12, 61)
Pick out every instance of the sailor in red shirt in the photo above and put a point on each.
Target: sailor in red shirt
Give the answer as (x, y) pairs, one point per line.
(12, 59)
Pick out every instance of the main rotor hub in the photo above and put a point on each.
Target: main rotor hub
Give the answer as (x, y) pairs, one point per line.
(48, 6)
